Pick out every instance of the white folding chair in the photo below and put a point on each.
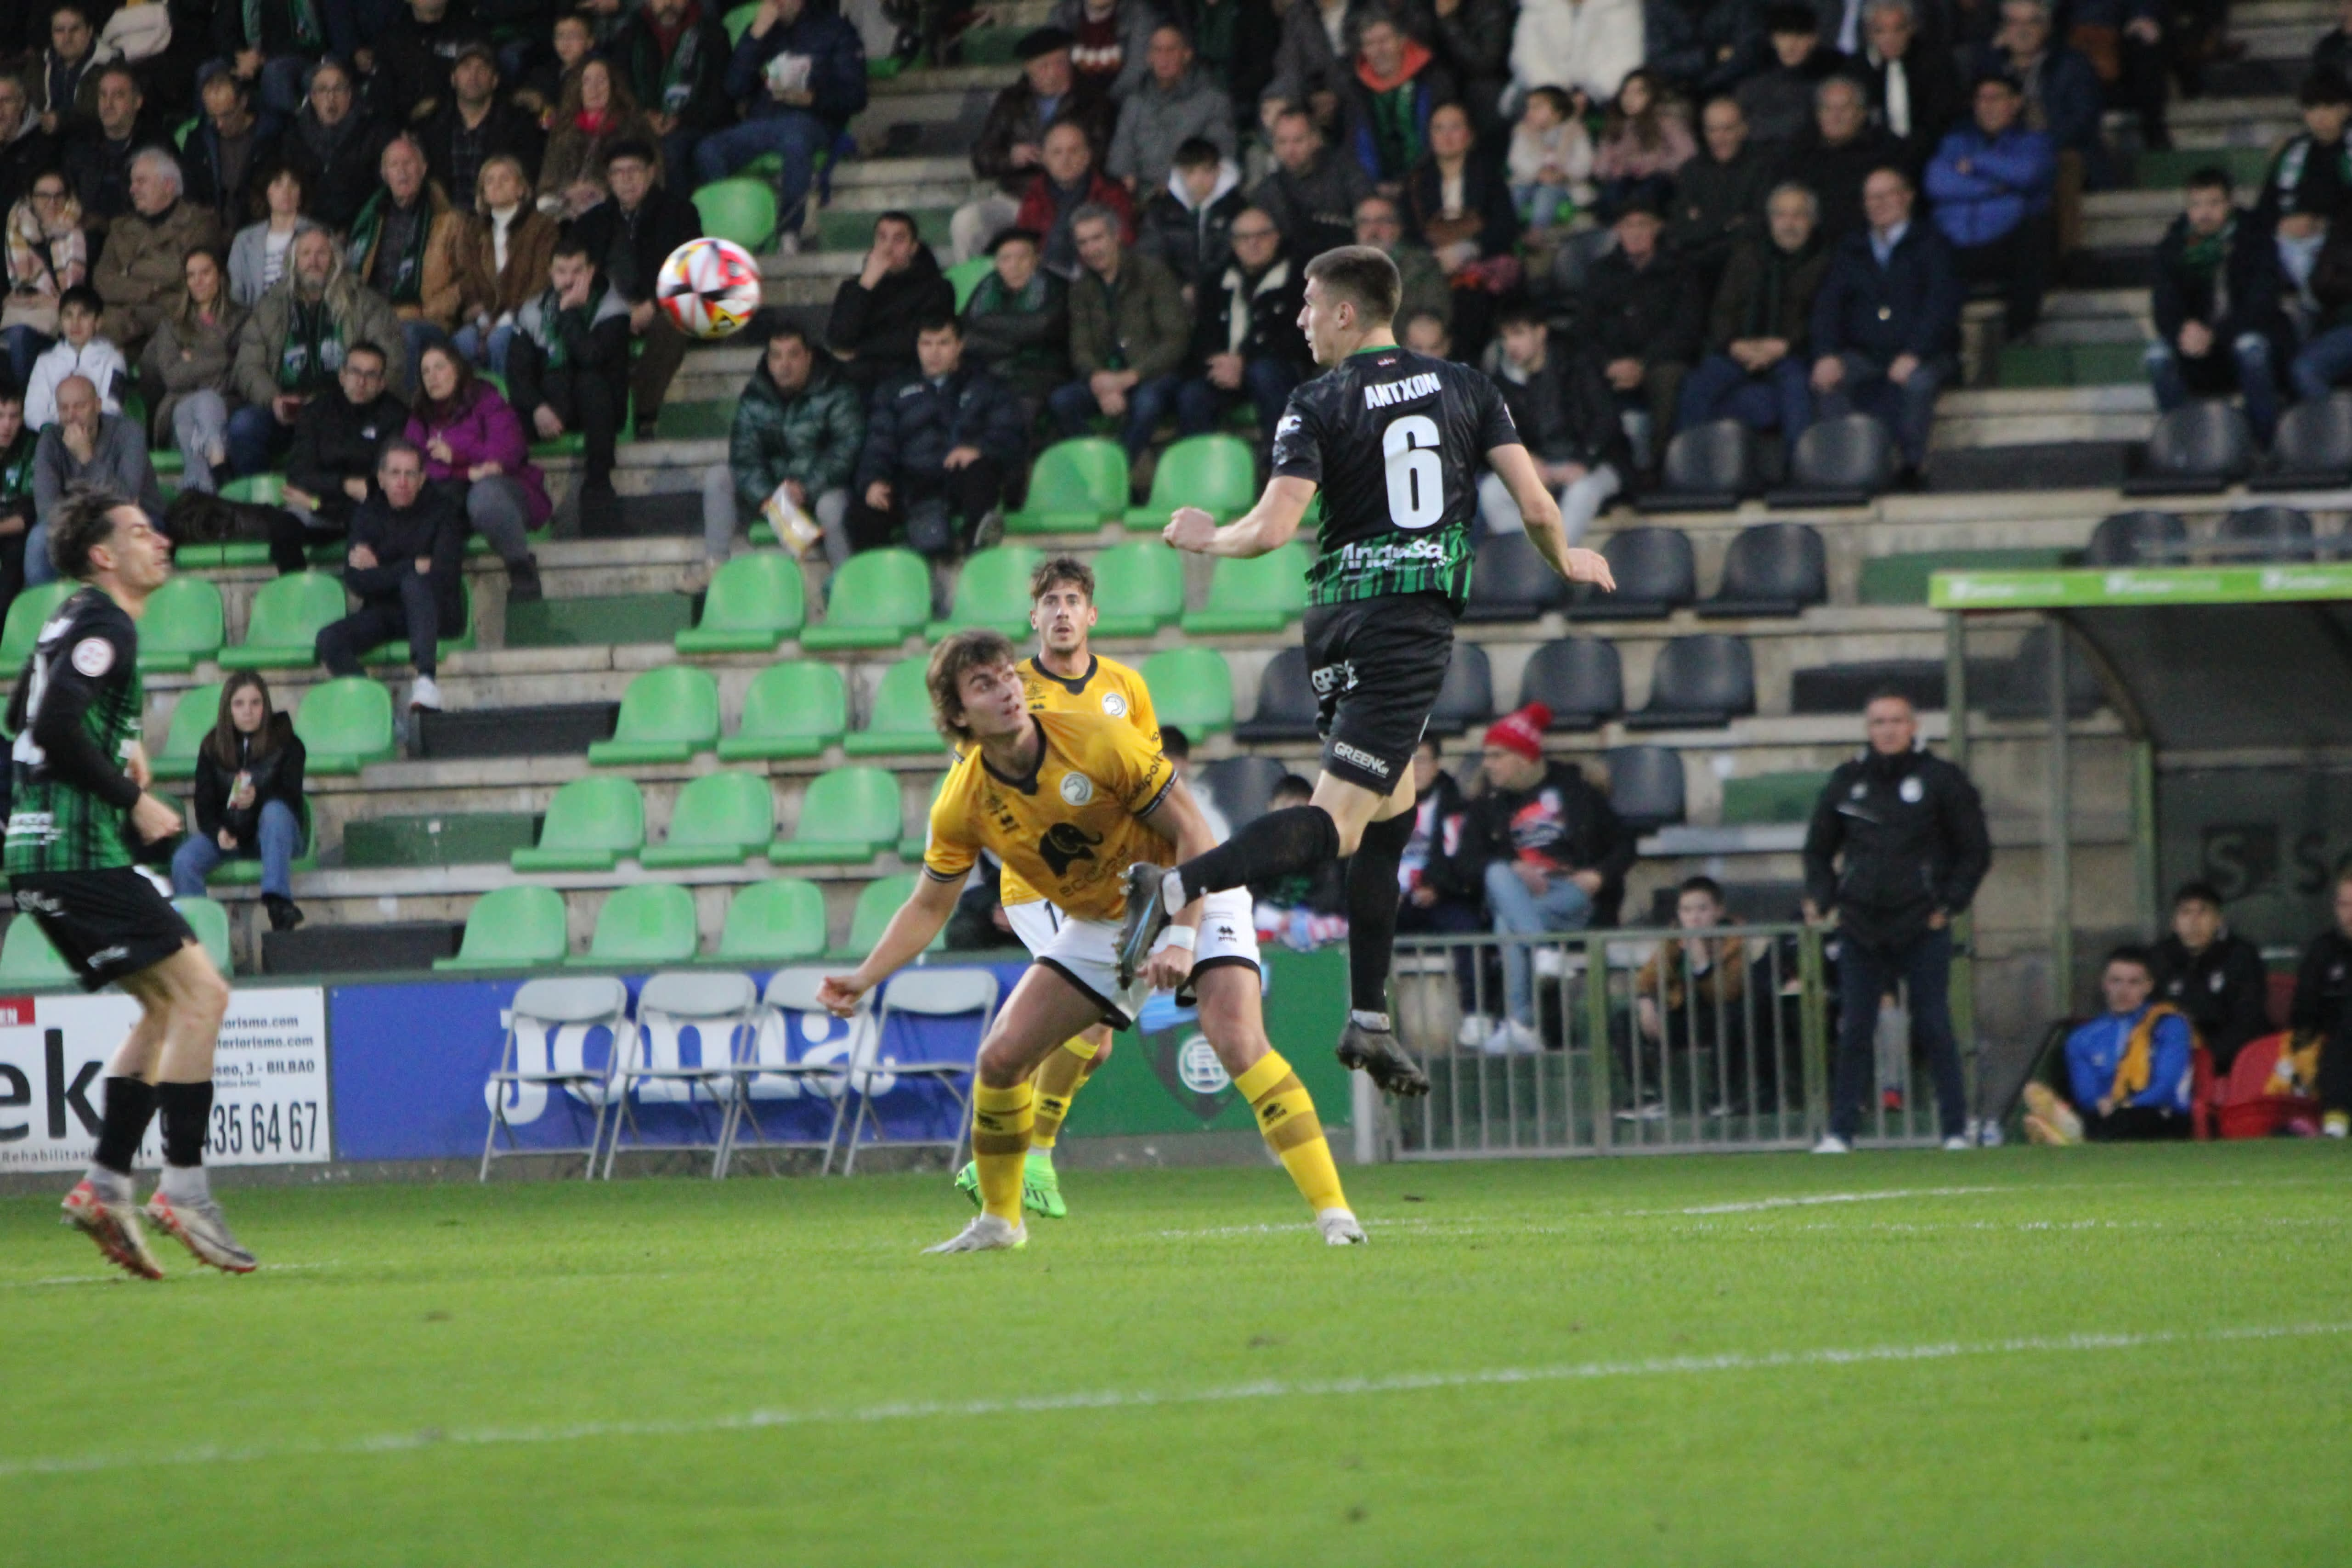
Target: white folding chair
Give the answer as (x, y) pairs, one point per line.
(775, 1064)
(924, 993)
(572, 1008)
(722, 1010)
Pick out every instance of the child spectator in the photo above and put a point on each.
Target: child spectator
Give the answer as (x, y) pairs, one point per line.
(1550, 159)
(1643, 142)
(2128, 1070)
(79, 351)
(1692, 995)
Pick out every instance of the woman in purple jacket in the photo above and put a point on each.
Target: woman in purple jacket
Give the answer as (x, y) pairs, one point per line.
(474, 449)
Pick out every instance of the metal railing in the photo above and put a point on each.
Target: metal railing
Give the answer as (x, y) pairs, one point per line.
(1660, 1053)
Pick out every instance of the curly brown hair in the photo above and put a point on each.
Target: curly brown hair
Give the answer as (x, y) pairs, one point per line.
(974, 648)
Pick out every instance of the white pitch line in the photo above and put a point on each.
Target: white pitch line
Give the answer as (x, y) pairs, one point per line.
(1754, 1205)
(1149, 1399)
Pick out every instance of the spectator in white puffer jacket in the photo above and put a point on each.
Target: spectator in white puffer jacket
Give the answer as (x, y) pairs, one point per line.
(1583, 46)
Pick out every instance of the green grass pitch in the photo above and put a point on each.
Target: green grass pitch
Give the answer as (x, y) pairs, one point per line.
(2133, 1357)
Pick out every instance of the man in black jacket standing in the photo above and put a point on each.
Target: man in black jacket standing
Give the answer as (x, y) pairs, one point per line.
(1911, 833)
(407, 567)
(629, 235)
(331, 467)
(2212, 974)
(939, 444)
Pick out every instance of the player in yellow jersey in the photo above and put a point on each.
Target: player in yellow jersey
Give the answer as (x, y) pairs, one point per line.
(1070, 801)
(1064, 676)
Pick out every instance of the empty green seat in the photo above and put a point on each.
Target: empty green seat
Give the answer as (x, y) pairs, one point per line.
(1191, 688)
(877, 903)
(183, 625)
(194, 717)
(1215, 473)
(345, 724)
(591, 824)
(281, 631)
(755, 602)
(993, 590)
(773, 922)
(666, 715)
(1772, 797)
(210, 922)
(965, 277)
(794, 710)
(742, 210)
(27, 961)
(1138, 588)
(900, 718)
(640, 927)
(456, 641)
(23, 628)
(1261, 593)
(849, 816)
(512, 928)
(720, 818)
(879, 599)
(1074, 486)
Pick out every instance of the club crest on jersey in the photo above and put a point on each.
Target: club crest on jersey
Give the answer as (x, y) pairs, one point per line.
(1388, 394)
(93, 656)
(1115, 706)
(1076, 788)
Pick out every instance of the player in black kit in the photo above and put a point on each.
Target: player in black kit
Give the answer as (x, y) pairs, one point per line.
(1394, 439)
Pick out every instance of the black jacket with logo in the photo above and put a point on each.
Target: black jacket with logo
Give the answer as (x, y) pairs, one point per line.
(1912, 833)
(2225, 991)
(1563, 823)
(336, 439)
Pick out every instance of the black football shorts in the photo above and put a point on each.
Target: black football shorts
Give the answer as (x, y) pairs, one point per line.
(1377, 666)
(105, 924)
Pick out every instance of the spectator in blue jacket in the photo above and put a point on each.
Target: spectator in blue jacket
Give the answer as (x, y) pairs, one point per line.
(1992, 183)
(2062, 93)
(940, 443)
(2128, 1070)
(799, 73)
(2215, 303)
(1887, 322)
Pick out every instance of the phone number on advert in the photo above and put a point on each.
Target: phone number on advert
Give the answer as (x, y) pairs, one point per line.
(292, 1128)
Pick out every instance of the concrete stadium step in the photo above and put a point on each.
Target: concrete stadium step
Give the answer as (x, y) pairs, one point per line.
(2019, 417)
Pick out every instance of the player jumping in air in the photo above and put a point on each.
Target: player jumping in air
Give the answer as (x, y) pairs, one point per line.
(1064, 676)
(1070, 801)
(80, 809)
(1394, 439)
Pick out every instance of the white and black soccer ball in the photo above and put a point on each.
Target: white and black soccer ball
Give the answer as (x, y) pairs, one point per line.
(708, 288)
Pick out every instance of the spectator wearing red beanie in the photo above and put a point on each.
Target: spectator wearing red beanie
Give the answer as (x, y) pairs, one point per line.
(1553, 856)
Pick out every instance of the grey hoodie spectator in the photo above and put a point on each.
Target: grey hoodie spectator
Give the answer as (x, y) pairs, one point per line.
(1174, 104)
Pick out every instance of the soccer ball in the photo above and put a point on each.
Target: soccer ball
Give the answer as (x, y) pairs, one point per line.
(708, 288)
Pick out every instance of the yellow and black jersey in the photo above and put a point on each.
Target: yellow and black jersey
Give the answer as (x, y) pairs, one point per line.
(1069, 830)
(1109, 688)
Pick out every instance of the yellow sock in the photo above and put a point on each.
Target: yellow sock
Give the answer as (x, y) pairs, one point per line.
(1058, 1079)
(1286, 1115)
(1001, 1118)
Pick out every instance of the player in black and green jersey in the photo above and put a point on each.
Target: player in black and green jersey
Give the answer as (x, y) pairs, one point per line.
(1394, 439)
(80, 813)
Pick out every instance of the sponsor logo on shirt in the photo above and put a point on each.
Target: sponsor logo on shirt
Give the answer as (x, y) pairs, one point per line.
(1362, 759)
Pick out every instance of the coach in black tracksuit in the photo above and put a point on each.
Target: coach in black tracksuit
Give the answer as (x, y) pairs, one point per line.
(1897, 847)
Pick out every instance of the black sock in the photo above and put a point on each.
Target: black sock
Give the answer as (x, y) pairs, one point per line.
(187, 1117)
(1373, 911)
(129, 1107)
(1279, 844)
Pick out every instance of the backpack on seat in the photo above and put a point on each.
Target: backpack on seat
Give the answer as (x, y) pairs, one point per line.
(2256, 1102)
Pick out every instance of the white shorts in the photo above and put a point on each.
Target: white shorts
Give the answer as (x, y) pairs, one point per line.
(1085, 953)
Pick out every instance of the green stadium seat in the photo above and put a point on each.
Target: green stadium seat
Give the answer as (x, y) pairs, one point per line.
(1074, 486)
(512, 928)
(794, 710)
(877, 903)
(666, 715)
(852, 228)
(777, 921)
(456, 642)
(739, 21)
(1191, 688)
(1262, 593)
(640, 927)
(245, 871)
(281, 631)
(1215, 473)
(755, 602)
(719, 819)
(27, 615)
(879, 598)
(849, 816)
(29, 962)
(1778, 798)
(993, 590)
(1138, 588)
(183, 627)
(256, 489)
(900, 718)
(742, 210)
(591, 825)
(194, 717)
(965, 277)
(210, 922)
(345, 724)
